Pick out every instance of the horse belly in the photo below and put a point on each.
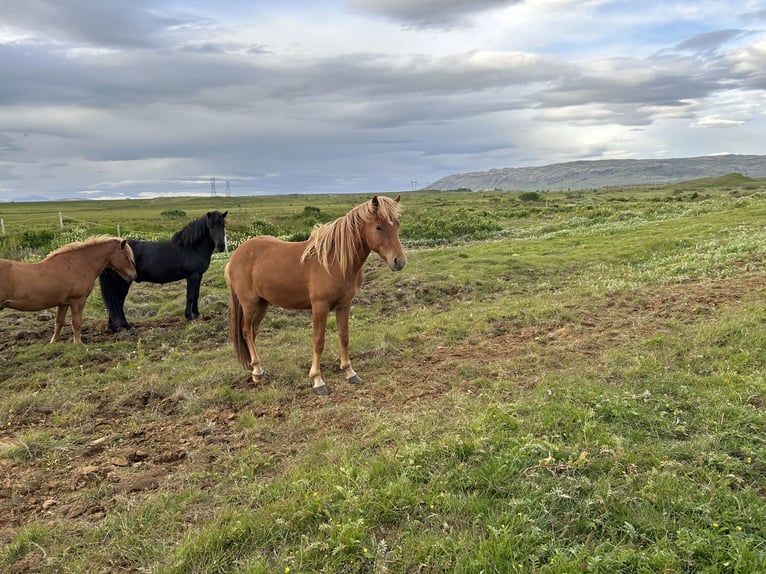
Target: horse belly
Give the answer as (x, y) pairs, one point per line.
(28, 287)
(270, 269)
(163, 264)
(287, 296)
(160, 275)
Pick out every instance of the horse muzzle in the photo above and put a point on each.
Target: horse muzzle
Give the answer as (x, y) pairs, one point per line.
(397, 263)
(129, 277)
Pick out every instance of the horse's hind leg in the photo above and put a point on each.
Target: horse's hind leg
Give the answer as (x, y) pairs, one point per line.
(60, 318)
(251, 322)
(341, 316)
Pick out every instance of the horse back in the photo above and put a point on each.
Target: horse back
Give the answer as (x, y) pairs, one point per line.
(267, 268)
(165, 261)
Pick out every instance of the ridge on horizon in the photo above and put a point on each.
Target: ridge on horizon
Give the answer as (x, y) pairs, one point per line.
(588, 174)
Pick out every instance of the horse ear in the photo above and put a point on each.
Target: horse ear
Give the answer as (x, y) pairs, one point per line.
(225, 213)
(123, 243)
(375, 203)
(398, 197)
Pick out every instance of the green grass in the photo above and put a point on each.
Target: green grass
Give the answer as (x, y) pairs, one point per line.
(567, 385)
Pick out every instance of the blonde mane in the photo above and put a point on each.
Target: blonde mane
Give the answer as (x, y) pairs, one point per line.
(339, 241)
(97, 239)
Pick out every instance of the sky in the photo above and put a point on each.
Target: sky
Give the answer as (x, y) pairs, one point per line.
(112, 99)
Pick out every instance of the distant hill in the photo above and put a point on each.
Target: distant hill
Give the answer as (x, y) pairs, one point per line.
(603, 173)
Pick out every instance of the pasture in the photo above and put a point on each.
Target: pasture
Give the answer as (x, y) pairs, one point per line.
(556, 383)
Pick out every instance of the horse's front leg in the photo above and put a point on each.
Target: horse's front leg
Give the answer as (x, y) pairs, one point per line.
(319, 323)
(115, 301)
(342, 315)
(60, 318)
(77, 309)
(192, 296)
(121, 321)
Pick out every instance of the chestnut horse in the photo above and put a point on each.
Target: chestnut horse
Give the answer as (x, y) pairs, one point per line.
(64, 278)
(323, 274)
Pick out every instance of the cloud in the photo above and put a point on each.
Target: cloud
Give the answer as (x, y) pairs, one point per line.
(749, 64)
(428, 13)
(104, 24)
(709, 41)
(714, 122)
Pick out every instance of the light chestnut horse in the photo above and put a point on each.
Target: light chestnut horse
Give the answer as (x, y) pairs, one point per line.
(323, 274)
(64, 278)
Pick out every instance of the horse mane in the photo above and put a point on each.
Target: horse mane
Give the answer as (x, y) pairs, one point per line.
(75, 245)
(194, 230)
(340, 240)
(191, 232)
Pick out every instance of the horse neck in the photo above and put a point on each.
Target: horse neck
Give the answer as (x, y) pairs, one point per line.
(360, 256)
(204, 244)
(356, 256)
(100, 253)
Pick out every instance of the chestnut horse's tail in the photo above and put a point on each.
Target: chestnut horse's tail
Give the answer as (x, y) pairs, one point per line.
(235, 326)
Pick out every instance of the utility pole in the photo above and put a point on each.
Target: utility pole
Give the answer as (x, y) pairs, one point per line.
(212, 187)
(228, 189)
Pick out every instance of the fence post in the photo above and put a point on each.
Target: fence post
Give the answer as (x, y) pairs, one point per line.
(118, 230)
(2, 224)
(61, 221)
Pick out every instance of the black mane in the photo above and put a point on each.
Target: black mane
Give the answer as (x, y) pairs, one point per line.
(195, 230)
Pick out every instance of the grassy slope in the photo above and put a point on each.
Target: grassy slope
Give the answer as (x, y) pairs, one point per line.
(582, 391)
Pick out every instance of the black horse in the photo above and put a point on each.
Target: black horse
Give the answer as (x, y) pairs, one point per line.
(185, 256)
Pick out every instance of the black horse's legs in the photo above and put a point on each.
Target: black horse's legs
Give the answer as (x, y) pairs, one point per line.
(114, 289)
(120, 320)
(193, 283)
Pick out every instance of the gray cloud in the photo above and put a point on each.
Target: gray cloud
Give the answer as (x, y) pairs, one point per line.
(710, 41)
(428, 13)
(95, 23)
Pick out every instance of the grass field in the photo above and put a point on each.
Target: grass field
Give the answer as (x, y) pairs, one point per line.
(566, 383)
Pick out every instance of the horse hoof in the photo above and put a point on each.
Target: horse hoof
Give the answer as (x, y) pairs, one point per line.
(322, 391)
(259, 378)
(355, 380)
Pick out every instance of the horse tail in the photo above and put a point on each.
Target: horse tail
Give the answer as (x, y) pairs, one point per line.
(236, 314)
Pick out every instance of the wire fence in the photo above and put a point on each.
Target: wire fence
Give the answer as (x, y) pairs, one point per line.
(27, 239)
(25, 224)
(60, 223)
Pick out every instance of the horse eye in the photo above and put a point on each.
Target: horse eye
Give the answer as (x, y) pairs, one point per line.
(379, 228)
